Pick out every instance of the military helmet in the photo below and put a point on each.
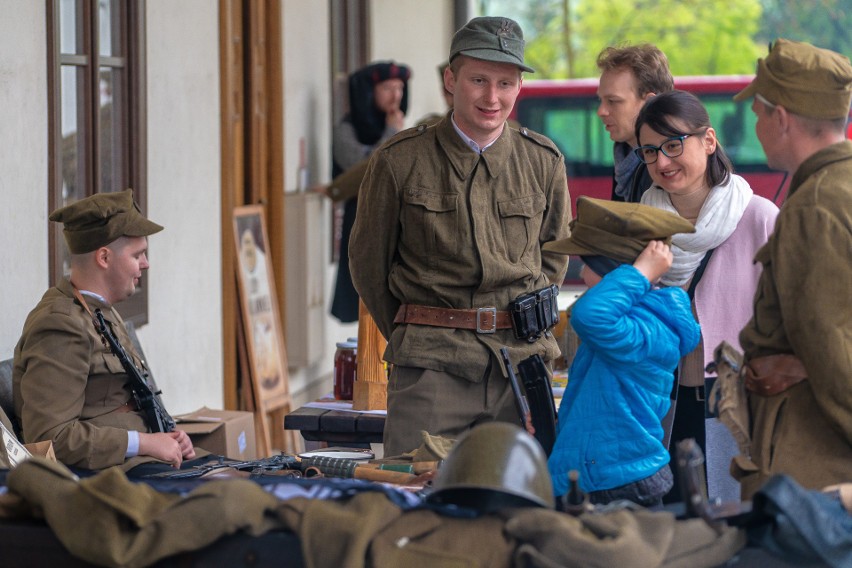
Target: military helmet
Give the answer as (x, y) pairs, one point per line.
(495, 465)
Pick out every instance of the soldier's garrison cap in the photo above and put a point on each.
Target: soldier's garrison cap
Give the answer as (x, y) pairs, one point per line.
(496, 39)
(617, 230)
(98, 220)
(806, 80)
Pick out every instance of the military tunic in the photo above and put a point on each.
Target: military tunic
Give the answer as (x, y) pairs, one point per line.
(443, 226)
(70, 388)
(802, 307)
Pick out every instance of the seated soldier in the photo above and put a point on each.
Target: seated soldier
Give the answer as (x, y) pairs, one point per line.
(68, 386)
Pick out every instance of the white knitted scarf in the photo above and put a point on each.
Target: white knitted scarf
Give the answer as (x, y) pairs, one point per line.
(719, 216)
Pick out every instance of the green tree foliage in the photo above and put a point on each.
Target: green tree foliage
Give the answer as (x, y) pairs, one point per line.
(700, 37)
(824, 23)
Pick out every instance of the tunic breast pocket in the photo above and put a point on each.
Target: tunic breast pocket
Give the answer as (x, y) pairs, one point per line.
(521, 221)
(431, 222)
(107, 363)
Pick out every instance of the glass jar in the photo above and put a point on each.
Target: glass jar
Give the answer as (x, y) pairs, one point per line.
(344, 369)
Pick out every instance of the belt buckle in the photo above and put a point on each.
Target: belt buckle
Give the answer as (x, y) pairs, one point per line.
(493, 327)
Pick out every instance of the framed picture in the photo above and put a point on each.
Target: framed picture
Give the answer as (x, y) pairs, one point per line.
(260, 314)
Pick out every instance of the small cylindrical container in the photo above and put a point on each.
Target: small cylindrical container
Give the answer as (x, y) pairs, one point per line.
(345, 369)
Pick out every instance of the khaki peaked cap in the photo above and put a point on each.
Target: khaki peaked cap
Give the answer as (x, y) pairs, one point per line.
(617, 230)
(806, 80)
(98, 220)
(496, 39)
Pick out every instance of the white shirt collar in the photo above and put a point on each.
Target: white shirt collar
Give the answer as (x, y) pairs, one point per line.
(469, 141)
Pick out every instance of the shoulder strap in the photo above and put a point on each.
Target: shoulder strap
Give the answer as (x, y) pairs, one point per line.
(699, 272)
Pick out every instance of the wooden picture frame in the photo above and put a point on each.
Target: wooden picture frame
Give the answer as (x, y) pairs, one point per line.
(261, 320)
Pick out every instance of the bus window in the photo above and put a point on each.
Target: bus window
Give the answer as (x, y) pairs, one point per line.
(566, 112)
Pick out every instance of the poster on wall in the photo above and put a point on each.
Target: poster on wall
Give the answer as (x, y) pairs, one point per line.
(259, 306)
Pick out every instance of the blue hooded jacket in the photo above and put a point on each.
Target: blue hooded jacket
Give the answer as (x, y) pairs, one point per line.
(631, 339)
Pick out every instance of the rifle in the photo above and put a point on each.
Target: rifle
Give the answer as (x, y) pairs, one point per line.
(320, 466)
(148, 401)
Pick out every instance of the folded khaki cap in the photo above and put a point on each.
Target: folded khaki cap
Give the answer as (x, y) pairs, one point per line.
(617, 230)
(496, 39)
(806, 80)
(98, 220)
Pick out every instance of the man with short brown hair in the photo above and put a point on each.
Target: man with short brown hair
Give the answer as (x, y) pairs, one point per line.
(798, 345)
(629, 76)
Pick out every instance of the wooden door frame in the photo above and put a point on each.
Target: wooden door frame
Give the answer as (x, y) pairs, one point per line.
(252, 152)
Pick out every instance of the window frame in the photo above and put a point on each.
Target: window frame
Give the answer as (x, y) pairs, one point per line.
(132, 34)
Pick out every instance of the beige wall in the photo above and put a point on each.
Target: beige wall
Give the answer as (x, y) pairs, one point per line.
(418, 34)
(183, 339)
(23, 165)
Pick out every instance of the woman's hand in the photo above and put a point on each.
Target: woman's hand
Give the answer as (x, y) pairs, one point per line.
(654, 261)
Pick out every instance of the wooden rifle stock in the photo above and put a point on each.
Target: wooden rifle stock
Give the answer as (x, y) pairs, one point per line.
(156, 417)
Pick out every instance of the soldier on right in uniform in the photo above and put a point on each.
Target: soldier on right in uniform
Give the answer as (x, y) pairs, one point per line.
(798, 344)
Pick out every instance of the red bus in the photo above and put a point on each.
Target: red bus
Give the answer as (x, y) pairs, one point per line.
(566, 112)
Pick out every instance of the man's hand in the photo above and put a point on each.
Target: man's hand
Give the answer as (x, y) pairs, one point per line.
(395, 119)
(654, 261)
(170, 447)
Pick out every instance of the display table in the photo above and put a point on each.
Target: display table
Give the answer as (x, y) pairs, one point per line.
(33, 543)
(320, 422)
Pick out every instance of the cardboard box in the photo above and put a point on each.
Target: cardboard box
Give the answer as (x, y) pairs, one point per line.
(229, 433)
(12, 452)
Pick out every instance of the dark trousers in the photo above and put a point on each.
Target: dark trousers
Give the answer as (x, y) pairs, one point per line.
(688, 423)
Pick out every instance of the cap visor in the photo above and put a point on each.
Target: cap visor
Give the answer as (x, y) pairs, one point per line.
(567, 246)
(496, 56)
(747, 93)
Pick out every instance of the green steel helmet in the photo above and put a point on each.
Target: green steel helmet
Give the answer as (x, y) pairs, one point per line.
(494, 466)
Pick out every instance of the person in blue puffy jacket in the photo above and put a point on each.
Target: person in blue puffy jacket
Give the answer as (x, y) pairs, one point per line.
(632, 336)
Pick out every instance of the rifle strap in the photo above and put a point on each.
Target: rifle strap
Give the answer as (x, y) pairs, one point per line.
(86, 307)
(83, 303)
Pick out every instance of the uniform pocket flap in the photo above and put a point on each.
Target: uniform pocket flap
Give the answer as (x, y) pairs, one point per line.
(527, 206)
(437, 202)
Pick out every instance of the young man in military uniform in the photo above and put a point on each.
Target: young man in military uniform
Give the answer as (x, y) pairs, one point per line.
(449, 231)
(798, 345)
(68, 386)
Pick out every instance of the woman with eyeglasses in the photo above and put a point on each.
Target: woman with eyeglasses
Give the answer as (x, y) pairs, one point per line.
(693, 177)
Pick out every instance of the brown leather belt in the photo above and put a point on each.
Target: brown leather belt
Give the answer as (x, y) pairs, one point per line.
(480, 320)
(773, 374)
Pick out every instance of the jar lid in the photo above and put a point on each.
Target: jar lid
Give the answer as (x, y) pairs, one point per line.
(352, 340)
(347, 345)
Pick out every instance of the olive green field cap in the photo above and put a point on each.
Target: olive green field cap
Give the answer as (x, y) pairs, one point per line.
(617, 230)
(806, 80)
(98, 220)
(496, 39)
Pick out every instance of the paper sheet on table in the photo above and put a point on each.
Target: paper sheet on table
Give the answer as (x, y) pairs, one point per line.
(330, 403)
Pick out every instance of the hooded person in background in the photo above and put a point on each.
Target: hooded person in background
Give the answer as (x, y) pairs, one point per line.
(798, 344)
(378, 101)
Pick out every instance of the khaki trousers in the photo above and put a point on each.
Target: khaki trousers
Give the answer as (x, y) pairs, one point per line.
(443, 405)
